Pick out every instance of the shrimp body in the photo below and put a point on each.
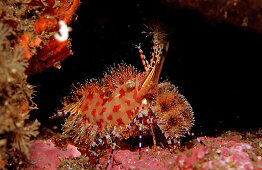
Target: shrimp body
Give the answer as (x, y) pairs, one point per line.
(127, 103)
(116, 109)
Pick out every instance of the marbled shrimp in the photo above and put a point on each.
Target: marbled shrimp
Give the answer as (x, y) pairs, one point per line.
(126, 102)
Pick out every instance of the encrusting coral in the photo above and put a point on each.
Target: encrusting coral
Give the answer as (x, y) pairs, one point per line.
(15, 103)
(34, 23)
(27, 46)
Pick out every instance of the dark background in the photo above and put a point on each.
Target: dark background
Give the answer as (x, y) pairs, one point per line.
(214, 65)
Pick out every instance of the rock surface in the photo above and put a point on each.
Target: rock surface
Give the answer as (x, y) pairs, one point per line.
(44, 154)
(225, 153)
(220, 152)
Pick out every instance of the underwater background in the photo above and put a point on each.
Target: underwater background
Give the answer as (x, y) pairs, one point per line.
(213, 60)
(214, 64)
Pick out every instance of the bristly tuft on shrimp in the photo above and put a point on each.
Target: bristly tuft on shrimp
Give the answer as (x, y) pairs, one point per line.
(128, 103)
(174, 113)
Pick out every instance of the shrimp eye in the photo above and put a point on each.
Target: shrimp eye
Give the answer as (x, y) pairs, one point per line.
(130, 84)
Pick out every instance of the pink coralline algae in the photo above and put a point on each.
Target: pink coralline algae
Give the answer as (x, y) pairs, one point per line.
(44, 155)
(230, 154)
(125, 159)
(219, 153)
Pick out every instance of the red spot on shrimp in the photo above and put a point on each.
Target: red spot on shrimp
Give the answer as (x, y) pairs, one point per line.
(90, 96)
(116, 108)
(104, 101)
(129, 113)
(100, 122)
(102, 111)
(119, 121)
(97, 103)
(127, 102)
(109, 117)
(122, 93)
(93, 112)
(85, 107)
(110, 99)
